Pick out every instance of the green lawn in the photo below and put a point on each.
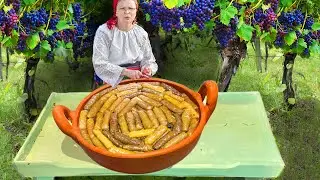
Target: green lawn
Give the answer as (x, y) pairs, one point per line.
(297, 132)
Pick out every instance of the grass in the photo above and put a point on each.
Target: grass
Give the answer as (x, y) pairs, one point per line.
(297, 131)
(58, 77)
(192, 68)
(13, 128)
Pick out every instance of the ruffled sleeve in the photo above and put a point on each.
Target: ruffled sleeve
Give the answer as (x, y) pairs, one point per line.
(108, 72)
(148, 59)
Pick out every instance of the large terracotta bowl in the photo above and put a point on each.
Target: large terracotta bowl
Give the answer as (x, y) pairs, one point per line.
(141, 162)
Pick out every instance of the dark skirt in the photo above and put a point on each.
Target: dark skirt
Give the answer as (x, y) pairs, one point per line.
(135, 66)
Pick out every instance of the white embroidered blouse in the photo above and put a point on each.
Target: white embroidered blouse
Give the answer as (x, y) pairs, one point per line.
(112, 48)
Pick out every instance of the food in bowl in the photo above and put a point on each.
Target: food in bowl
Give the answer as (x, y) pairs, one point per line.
(138, 117)
(137, 161)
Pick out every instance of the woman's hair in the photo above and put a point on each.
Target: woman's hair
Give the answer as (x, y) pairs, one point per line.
(113, 20)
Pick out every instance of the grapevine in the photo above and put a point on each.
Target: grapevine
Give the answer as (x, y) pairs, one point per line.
(196, 13)
(38, 31)
(292, 26)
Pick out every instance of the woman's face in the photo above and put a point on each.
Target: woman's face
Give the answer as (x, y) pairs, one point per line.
(126, 11)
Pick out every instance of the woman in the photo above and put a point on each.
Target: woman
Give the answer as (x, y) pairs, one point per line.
(122, 48)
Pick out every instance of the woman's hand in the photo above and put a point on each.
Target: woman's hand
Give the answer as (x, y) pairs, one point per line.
(146, 71)
(132, 74)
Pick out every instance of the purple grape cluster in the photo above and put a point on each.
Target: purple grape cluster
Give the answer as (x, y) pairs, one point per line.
(53, 39)
(225, 33)
(274, 4)
(82, 44)
(264, 19)
(198, 12)
(22, 45)
(237, 5)
(77, 11)
(290, 20)
(54, 21)
(50, 56)
(79, 31)
(279, 42)
(34, 19)
(8, 21)
(308, 38)
(309, 23)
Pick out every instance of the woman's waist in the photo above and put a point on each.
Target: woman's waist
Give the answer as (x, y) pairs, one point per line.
(134, 66)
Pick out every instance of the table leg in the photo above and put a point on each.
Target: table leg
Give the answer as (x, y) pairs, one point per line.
(43, 178)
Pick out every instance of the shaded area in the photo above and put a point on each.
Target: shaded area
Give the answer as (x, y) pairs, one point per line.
(194, 67)
(297, 133)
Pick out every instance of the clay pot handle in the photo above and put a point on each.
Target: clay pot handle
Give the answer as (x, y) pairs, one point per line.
(60, 114)
(210, 90)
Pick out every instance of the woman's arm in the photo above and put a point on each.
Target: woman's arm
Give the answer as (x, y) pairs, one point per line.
(108, 72)
(148, 61)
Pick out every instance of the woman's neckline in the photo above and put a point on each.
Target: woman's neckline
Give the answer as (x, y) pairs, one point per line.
(124, 30)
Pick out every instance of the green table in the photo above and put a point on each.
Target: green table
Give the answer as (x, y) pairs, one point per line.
(236, 142)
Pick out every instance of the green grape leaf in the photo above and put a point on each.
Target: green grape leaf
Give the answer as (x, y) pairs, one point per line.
(180, 3)
(60, 51)
(148, 17)
(70, 9)
(269, 36)
(302, 43)
(50, 32)
(222, 4)
(245, 32)
(43, 53)
(62, 25)
(242, 10)
(315, 48)
(286, 3)
(209, 25)
(241, 22)
(29, 2)
(170, 3)
(292, 101)
(28, 53)
(265, 7)
(69, 45)
(290, 38)
(4, 40)
(33, 41)
(316, 26)
(12, 41)
(45, 45)
(258, 30)
(227, 14)
(301, 46)
(7, 8)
